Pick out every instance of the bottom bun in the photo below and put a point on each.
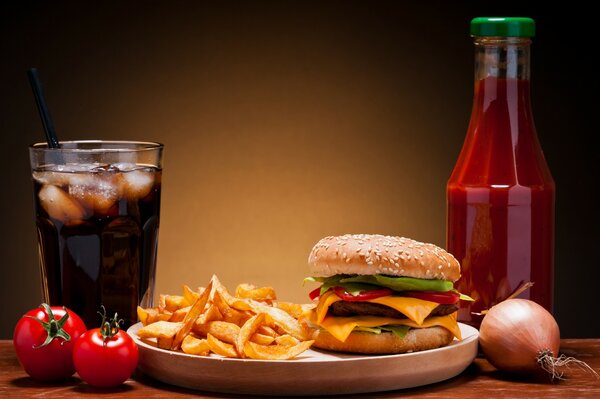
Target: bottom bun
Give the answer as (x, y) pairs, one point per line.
(417, 339)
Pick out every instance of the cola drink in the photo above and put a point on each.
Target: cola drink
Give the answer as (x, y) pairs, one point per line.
(97, 226)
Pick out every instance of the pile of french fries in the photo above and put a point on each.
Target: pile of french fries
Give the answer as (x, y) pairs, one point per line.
(252, 324)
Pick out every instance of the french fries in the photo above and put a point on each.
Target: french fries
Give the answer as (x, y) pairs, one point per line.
(190, 318)
(248, 330)
(251, 324)
(223, 330)
(263, 294)
(195, 346)
(163, 331)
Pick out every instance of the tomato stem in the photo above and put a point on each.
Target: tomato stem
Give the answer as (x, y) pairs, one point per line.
(109, 327)
(53, 327)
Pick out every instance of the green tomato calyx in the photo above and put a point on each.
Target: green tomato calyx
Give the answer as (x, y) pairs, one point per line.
(109, 327)
(53, 327)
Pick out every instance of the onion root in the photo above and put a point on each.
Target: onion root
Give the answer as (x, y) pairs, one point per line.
(553, 365)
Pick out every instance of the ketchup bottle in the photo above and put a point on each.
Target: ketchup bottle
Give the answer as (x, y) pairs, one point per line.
(500, 196)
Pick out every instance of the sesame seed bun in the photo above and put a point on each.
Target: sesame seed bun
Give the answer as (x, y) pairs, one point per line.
(417, 339)
(367, 254)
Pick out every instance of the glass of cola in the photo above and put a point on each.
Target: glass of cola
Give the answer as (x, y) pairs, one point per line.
(97, 209)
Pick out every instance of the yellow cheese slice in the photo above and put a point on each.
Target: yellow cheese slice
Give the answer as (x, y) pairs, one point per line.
(415, 309)
(341, 327)
(325, 302)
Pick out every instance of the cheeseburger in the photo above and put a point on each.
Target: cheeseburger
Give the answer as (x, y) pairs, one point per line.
(383, 294)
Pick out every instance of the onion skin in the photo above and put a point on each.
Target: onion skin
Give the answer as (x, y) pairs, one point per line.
(516, 333)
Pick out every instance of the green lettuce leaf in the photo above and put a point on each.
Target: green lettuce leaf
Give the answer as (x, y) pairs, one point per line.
(401, 283)
(312, 280)
(398, 330)
(464, 297)
(372, 330)
(355, 284)
(356, 288)
(336, 281)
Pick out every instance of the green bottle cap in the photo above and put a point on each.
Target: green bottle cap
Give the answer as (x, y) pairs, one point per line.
(503, 26)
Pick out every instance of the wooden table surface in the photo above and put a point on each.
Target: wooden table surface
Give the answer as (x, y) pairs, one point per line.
(479, 380)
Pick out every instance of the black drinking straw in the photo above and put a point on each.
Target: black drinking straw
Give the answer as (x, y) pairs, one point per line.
(40, 100)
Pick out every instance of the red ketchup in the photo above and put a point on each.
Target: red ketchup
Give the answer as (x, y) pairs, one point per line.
(500, 195)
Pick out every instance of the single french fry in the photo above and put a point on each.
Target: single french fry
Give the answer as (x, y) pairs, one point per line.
(236, 303)
(142, 315)
(195, 346)
(296, 310)
(229, 314)
(162, 302)
(226, 332)
(191, 316)
(210, 314)
(152, 315)
(189, 294)
(286, 340)
(223, 306)
(275, 352)
(220, 348)
(237, 317)
(247, 330)
(216, 283)
(164, 342)
(179, 314)
(174, 302)
(263, 294)
(159, 329)
(266, 330)
(262, 339)
(282, 319)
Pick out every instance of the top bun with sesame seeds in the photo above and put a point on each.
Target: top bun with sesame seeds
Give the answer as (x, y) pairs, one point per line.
(370, 254)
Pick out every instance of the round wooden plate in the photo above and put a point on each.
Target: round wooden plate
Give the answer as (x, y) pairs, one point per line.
(312, 373)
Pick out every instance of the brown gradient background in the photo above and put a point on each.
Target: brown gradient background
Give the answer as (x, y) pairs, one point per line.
(285, 122)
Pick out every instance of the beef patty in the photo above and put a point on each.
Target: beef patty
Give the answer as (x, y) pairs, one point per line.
(347, 309)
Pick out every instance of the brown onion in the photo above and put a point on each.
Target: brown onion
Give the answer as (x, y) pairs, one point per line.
(521, 337)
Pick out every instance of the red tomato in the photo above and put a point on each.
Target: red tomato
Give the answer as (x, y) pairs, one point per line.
(444, 298)
(105, 357)
(315, 293)
(363, 295)
(44, 339)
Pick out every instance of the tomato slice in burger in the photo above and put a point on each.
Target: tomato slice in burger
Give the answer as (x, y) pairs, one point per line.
(315, 293)
(362, 295)
(444, 298)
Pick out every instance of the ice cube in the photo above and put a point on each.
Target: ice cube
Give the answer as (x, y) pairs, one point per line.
(124, 166)
(137, 183)
(49, 177)
(60, 205)
(60, 175)
(71, 167)
(97, 192)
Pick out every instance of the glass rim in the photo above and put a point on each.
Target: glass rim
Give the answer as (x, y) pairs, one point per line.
(134, 146)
